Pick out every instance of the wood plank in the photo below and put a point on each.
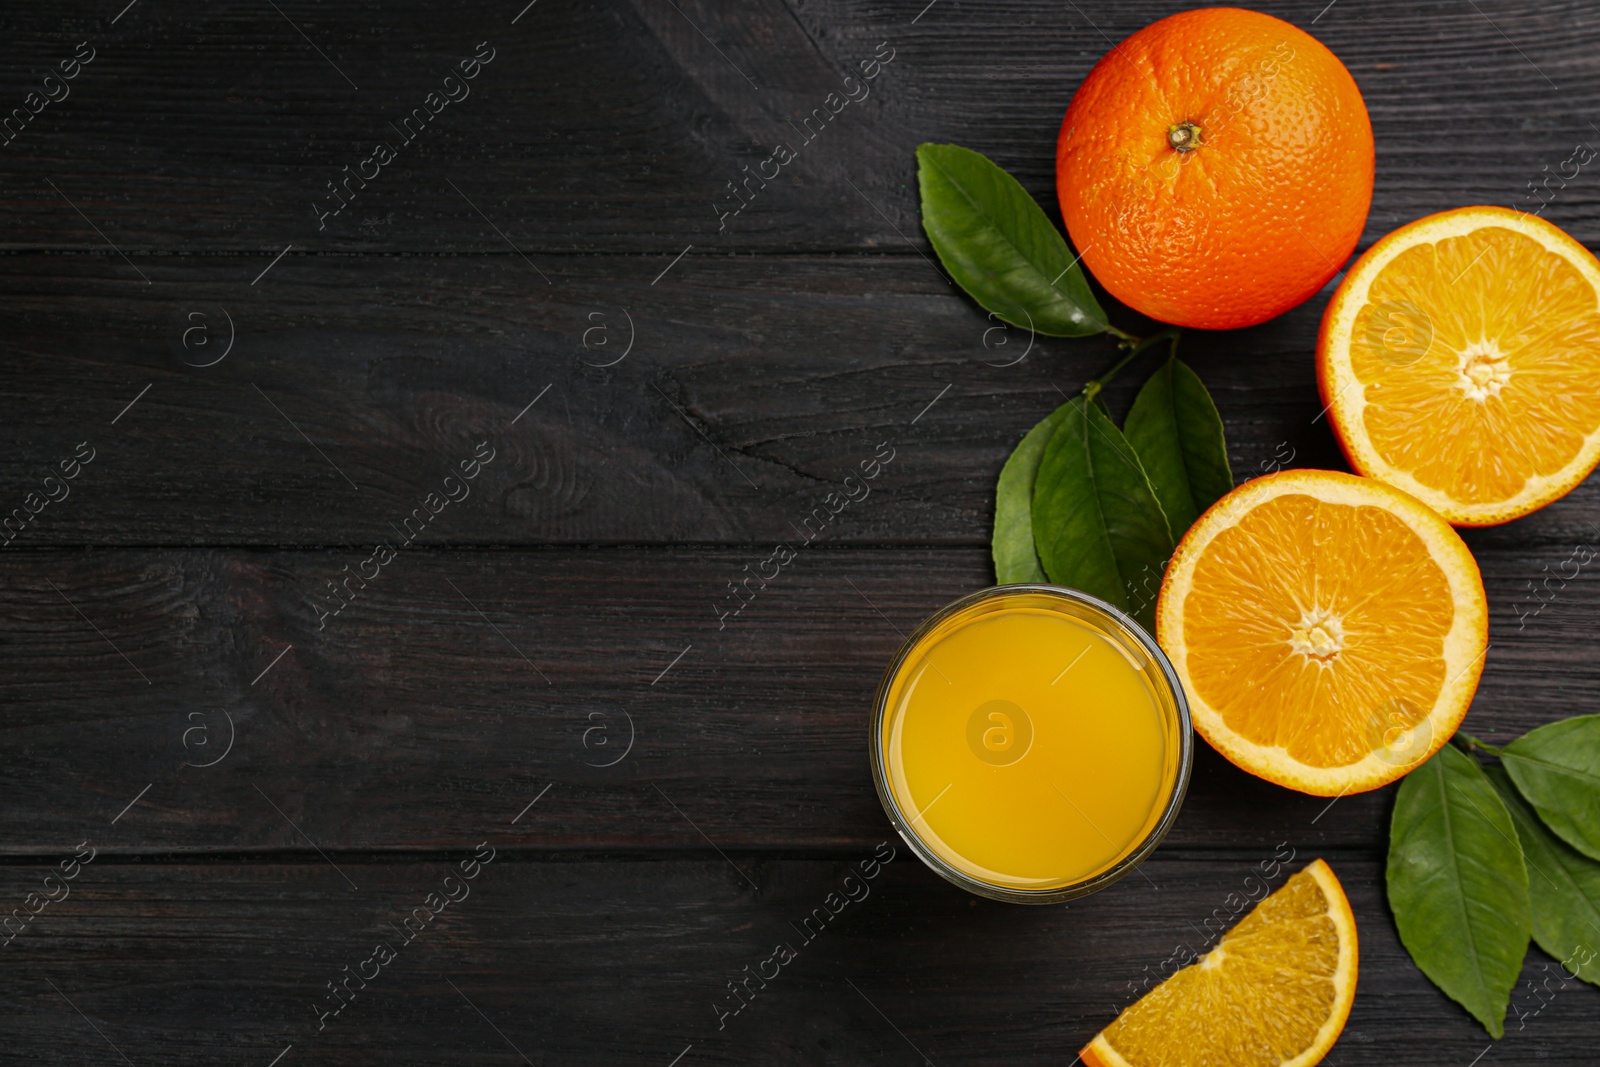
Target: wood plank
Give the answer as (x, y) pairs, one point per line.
(458, 681)
(269, 794)
(608, 127)
(567, 961)
(754, 387)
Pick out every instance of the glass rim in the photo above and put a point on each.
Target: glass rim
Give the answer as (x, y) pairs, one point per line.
(1118, 870)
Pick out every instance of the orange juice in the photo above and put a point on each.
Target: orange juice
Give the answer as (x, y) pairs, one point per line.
(1031, 743)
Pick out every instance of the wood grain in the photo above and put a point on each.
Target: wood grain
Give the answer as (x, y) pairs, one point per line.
(267, 793)
(752, 389)
(570, 960)
(217, 126)
(457, 682)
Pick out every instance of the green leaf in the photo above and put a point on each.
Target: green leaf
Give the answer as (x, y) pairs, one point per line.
(1096, 521)
(1015, 558)
(1563, 886)
(1176, 431)
(1458, 885)
(999, 246)
(1557, 767)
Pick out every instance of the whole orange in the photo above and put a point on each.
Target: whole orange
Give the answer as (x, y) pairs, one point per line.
(1215, 168)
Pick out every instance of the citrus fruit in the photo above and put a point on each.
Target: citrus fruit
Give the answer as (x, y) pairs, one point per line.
(1215, 168)
(1275, 992)
(1328, 629)
(1460, 361)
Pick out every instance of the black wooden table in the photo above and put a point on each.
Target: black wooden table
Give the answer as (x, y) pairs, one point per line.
(533, 389)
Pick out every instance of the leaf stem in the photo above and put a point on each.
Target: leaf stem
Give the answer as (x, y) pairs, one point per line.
(1469, 743)
(1135, 346)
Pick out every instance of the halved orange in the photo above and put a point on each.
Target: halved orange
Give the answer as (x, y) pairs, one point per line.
(1329, 630)
(1460, 361)
(1275, 992)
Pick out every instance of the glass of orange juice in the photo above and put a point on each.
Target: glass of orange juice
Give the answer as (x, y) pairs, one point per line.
(1031, 743)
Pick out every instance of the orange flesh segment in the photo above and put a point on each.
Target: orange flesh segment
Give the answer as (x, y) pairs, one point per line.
(1296, 646)
(1507, 389)
(1264, 996)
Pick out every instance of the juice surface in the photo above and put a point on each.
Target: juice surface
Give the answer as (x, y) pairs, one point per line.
(1030, 742)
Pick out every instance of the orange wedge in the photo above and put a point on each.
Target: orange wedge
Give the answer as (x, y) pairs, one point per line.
(1460, 361)
(1275, 992)
(1328, 629)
